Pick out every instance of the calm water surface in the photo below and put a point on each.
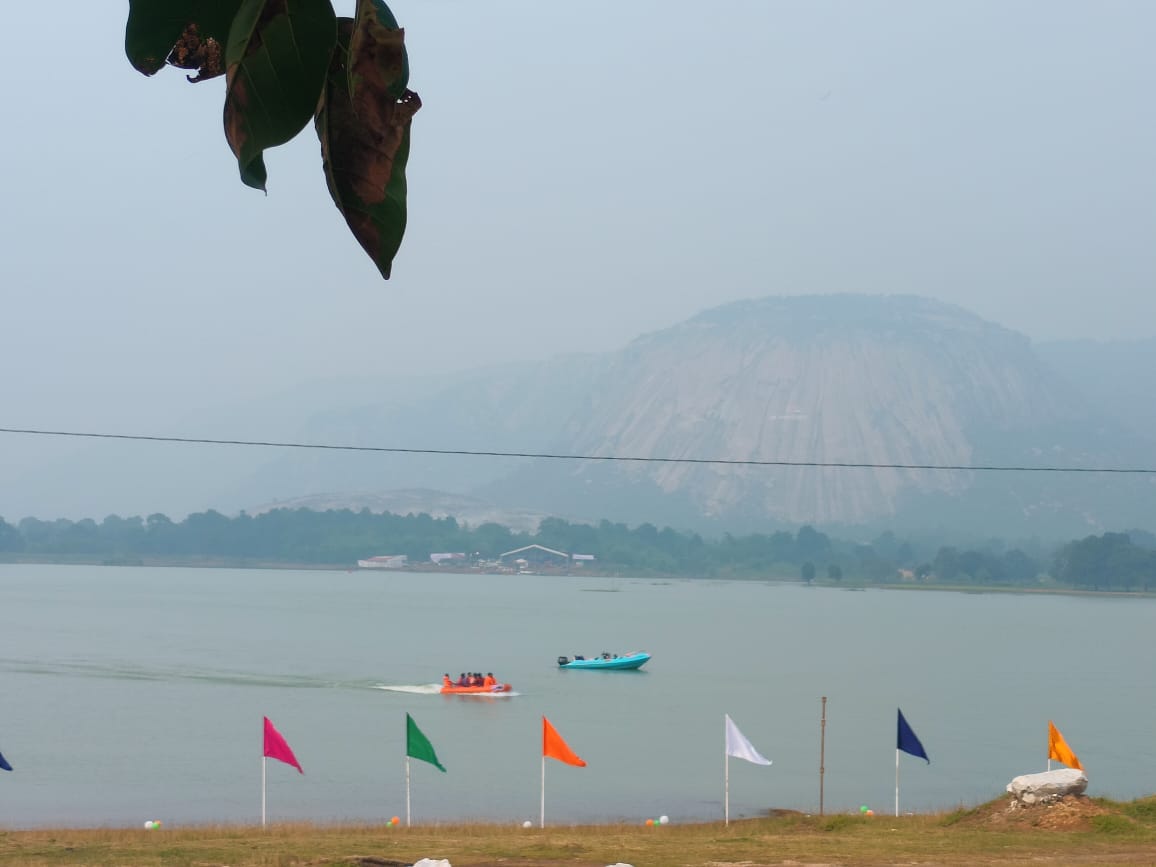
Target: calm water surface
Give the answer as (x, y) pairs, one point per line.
(129, 694)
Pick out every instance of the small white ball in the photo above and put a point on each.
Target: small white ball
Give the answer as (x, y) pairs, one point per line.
(663, 820)
(527, 824)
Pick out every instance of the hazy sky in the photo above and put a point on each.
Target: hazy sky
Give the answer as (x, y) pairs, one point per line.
(581, 173)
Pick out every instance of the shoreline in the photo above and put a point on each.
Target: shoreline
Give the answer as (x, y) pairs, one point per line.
(274, 565)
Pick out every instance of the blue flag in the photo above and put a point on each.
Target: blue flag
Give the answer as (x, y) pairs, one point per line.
(4, 763)
(908, 742)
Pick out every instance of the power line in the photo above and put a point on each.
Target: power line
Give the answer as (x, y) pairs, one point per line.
(851, 465)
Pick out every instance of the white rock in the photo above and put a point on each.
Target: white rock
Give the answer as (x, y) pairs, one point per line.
(1034, 788)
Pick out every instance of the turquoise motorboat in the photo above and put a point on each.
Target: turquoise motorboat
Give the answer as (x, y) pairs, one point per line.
(606, 661)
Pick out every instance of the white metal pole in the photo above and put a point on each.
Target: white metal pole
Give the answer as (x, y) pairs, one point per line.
(542, 812)
(407, 791)
(262, 791)
(897, 782)
(726, 788)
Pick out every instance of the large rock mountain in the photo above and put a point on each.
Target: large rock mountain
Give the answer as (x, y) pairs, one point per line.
(830, 379)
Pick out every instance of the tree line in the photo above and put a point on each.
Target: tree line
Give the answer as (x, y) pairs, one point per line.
(1112, 561)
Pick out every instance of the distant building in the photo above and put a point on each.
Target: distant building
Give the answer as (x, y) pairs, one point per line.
(537, 554)
(442, 558)
(385, 561)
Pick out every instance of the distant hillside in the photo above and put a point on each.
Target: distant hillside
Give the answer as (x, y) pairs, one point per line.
(508, 408)
(1118, 378)
(849, 378)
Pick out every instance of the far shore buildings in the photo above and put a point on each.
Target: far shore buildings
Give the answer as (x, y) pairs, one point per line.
(540, 556)
(385, 561)
(528, 558)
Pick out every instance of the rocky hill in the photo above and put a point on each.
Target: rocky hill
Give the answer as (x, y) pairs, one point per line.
(849, 378)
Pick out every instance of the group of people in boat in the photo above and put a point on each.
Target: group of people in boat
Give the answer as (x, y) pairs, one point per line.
(474, 678)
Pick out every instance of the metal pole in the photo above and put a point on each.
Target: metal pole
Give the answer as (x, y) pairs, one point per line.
(262, 791)
(727, 789)
(822, 751)
(542, 808)
(897, 782)
(407, 791)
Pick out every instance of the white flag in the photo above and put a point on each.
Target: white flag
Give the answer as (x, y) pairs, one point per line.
(739, 747)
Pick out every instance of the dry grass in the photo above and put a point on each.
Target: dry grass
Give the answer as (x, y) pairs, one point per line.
(1080, 831)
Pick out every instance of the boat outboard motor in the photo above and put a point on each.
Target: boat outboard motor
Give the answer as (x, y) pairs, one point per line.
(562, 660)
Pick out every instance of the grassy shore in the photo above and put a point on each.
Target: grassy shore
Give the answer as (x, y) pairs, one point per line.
(1077, 831)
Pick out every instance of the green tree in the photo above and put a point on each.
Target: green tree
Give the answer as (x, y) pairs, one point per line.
(287, 62)
(10, 538)
(808, 571)
(835, 572)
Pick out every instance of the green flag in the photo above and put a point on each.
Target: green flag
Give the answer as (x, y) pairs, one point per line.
(417, 745)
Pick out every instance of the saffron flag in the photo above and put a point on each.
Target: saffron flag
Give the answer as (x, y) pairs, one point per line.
(417, 745)
(739, 747)
(553, 747)
(4, 763)
(1059, 750)
(908, 742)
(277, 748)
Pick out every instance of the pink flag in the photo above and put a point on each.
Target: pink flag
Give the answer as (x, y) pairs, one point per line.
(276, 748)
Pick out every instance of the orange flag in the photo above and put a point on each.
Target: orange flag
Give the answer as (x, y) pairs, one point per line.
(553, 747)
(1059, 750)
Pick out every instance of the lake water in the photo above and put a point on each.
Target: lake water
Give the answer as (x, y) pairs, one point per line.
(129, 694)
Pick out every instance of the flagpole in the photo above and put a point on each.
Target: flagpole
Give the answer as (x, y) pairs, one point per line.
(897, 781)
(727, 789)
(822, 750)
(263, 760)
(542, 808)
(407, 791)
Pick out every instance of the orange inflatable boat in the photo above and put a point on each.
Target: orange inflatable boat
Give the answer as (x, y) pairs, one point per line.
(476, 690)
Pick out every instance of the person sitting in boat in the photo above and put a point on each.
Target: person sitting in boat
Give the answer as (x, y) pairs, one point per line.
(446, 680)
(489, 680)
(463, 680)
(473, 679)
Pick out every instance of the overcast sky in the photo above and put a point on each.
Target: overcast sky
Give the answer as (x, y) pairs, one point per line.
(581, 173)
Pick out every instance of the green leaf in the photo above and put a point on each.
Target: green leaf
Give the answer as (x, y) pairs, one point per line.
(365, 143)
(187, 33)
(277, 58)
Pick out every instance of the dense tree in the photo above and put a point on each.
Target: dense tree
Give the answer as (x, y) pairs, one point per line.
(10, 538)
(342, 536)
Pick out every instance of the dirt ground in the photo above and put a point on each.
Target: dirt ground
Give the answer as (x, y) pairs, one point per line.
(1069, 813)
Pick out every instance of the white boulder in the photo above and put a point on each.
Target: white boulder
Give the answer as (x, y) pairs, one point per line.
(1048, 786)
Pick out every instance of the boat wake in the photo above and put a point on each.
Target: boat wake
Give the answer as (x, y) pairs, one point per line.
(112, 670)
(412, 689)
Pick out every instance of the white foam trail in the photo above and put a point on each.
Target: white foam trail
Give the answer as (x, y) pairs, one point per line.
(413, 689)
